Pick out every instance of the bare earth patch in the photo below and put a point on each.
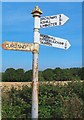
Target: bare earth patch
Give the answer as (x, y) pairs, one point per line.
(17, 85)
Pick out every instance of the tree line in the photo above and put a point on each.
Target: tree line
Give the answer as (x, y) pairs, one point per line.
(57, 74)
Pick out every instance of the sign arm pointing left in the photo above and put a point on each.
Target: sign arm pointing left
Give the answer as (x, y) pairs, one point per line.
(30, 47)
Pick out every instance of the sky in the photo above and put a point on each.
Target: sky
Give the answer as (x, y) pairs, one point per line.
(0, 36)
(42, 0)
(17, 26)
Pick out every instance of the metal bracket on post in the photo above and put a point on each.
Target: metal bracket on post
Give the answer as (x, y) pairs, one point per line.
(36, 48)
(36, 14)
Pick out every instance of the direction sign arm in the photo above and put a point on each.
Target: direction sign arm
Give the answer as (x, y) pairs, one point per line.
(54, 41)
(51, 21)
(30, 47)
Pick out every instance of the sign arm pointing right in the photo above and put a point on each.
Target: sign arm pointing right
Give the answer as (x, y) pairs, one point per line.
(48, 40)
(51, 21)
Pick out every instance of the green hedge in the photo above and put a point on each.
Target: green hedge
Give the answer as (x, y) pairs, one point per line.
(54, 102)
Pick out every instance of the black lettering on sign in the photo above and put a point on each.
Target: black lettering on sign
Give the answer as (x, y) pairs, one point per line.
(19, 46)
(47, 25)
(24, 46)
(11, 45)
(47, 21)
(62, 43)
(43, 22)
(52, 17)
(43, 25)
(47, 43)
(42, 18)
(52, 24)
(60, 19)
(55, 23)
(59, 23)
(48, 18)
(65, 44)
(14, 45)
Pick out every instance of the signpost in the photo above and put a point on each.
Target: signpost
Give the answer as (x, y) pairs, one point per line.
(54, 41)
(36, 14)
(47, 40)
(55, 20)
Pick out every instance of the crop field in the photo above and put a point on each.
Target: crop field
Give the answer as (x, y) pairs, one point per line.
(19, 85)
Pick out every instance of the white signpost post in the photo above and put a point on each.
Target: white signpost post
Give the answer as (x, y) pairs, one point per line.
(43, 22)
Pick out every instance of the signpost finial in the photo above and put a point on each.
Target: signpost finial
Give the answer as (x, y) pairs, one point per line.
(36, 11)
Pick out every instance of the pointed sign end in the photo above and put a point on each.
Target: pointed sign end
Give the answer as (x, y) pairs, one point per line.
(67, 45)
(64, 19)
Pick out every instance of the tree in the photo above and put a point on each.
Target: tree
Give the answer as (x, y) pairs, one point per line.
(58, 74)
(40, 76)
(9, 75)
(82, 73)
(75, 73)
(48, 74)
(28, 76)
(19, 75)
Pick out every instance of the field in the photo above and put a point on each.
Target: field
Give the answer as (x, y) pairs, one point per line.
(19, 85)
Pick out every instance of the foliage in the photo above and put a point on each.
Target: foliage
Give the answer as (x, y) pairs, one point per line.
(9, 75)
(48, 74)
(57, 74)
(54, 101)
(28, 76)
(19, 75)
(18, 104)
(40, 76)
